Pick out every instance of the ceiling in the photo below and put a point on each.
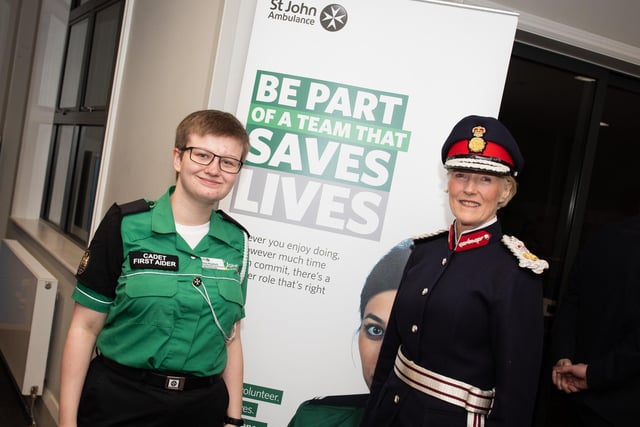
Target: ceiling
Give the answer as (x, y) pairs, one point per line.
(612, 19)
(614, 23)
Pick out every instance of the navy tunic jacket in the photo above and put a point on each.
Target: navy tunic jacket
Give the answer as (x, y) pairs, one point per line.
(470, 313)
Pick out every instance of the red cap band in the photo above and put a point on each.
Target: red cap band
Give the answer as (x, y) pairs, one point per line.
(492, 150)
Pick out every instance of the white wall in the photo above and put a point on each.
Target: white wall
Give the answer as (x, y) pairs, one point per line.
(166, 74)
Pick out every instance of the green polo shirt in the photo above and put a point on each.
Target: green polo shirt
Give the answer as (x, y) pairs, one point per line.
(172, 305)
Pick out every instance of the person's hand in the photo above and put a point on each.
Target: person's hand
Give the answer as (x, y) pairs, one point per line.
(556, 377)
(569, 377)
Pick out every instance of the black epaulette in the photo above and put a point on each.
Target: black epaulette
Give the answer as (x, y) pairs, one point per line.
(422, 238)
(140, 205)
(228, 218)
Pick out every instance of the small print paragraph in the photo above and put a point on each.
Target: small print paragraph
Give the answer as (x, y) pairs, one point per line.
(290, 264)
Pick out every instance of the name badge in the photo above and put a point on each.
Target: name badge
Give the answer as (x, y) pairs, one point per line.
(150, 260)
(213, 263)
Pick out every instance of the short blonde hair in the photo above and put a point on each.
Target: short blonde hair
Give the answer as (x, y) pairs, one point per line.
(509, 180)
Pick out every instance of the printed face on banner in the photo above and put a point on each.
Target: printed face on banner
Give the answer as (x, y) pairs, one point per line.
(323, 154)
(372, 330)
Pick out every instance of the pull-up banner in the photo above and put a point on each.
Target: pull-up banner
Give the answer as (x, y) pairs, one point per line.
(347, 106)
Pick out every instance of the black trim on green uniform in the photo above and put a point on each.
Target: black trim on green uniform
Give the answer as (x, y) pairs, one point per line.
(229, 218)
(107, 246)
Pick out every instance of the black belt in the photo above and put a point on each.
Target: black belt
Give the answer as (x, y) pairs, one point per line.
(166, 380)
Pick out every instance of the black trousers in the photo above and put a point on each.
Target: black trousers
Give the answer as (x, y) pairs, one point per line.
(110, 399)
(570, 412)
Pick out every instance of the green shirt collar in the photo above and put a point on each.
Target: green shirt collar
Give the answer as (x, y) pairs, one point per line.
(162, 222)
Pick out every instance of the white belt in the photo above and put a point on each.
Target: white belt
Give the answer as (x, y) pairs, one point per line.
(476, 402)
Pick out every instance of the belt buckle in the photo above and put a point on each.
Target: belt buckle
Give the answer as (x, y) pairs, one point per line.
(174, 383)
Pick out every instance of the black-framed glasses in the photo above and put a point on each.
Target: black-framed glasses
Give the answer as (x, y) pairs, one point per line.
(205, 157)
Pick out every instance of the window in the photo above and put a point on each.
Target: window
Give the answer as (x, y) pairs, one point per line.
(613, 193)
(548, 109)
(81, 115)
(573, 122)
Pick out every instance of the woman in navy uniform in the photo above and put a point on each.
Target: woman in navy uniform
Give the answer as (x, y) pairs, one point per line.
(464, 341)
(160, 292)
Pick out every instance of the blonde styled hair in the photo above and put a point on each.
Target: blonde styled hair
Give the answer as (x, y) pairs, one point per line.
(511, 181)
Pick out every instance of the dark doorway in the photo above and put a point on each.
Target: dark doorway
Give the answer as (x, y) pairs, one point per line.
(575, 123)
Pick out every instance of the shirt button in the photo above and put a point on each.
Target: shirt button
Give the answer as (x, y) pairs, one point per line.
(444, 261)
(424, 291)
(196, 282)
(193, 257)
(414, 328)
(396, 399)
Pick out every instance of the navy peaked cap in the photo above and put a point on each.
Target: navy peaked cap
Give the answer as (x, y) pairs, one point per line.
(482, 144)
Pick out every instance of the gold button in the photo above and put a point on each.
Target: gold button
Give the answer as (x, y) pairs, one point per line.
(424, 291)
(414, 328)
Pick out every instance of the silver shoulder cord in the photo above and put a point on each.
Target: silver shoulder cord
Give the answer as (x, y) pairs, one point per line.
(205, 294)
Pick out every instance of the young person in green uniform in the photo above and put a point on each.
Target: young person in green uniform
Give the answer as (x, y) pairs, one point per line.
(160, 294)
(376, 300)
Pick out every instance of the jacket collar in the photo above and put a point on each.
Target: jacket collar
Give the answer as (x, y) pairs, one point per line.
(476, 238)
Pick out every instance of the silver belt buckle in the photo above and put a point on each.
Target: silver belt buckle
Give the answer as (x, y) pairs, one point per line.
(174, 383)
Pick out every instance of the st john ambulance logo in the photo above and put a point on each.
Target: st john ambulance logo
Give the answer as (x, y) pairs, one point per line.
(333, 17)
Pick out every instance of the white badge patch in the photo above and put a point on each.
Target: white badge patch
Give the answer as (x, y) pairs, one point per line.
(213, 263)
